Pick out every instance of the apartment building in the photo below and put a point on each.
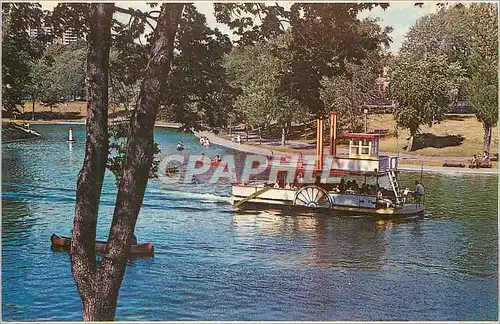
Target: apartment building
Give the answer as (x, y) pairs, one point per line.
(66, 38)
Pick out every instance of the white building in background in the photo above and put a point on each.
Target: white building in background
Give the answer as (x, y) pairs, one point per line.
(67, 37)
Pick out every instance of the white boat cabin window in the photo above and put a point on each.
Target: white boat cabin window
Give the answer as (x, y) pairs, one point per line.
(360, 147)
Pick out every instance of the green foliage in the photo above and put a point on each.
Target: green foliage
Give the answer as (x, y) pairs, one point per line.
(323, 38)
(483, 63)
(348, 92)
(256, 71)
(117, 134)
(18, 50)
(423, 88)
(59, 73)
(442, 33)
(467, 36)
(197, 91)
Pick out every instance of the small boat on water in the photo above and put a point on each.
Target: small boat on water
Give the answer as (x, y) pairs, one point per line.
(204, 141)
(169, 171)
(62, 243)
(355, 183)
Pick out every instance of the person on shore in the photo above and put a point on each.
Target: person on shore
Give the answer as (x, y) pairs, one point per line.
(474, 161)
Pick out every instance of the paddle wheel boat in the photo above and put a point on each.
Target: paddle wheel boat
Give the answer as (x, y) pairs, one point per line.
(338, 192)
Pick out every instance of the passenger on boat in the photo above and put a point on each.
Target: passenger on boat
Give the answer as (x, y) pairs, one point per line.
(419, 191)
(384, 201)
(342, 185)
(217, 159)
(336, 188)
(406, 192)
(300, 179)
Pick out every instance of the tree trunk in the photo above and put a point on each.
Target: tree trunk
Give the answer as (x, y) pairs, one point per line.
(91, 176)
(283, 135)
(487, 139)
(139, 154)
(33, 114)
(413, 133)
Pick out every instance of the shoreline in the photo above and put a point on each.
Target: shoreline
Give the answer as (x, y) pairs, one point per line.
(81, 122)
(256, 149)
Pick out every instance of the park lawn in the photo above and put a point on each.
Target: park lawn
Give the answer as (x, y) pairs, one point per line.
(64, 107)
(457, 135)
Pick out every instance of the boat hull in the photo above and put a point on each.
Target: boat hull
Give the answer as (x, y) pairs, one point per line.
(340, 204)
(61, 243)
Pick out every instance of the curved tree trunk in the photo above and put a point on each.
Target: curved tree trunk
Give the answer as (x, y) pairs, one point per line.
(283, 135)
(487, 139)
(413, 133)
(139, 155)
(90, 178)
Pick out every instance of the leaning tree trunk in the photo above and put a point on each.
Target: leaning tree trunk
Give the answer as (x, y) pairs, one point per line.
(91, 176)
(413, 133)
(487, 139)
(33, 103)
(138, 159)
(283, 134)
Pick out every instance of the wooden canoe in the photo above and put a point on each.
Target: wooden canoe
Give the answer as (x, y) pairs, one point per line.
(136, 250)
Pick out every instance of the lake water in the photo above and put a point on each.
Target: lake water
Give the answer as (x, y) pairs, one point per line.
(212, 264)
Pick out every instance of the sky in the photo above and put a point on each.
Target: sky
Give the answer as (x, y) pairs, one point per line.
(400, 15)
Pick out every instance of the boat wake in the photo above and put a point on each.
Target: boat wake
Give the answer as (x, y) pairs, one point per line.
(168, 194)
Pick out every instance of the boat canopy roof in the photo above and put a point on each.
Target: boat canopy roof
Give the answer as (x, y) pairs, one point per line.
(361, 135)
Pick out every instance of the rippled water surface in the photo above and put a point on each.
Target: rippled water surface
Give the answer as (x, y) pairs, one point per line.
(212, 264)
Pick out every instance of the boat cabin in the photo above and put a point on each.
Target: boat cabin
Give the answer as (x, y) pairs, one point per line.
(363, 146)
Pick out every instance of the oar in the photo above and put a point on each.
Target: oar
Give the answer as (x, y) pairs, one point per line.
(255, 194)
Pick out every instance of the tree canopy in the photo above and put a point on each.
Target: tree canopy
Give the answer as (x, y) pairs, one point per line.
(423, 87)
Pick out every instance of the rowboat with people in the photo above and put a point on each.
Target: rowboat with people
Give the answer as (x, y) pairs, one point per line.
(362, 183)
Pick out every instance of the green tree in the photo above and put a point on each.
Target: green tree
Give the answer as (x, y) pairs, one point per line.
(60, 72)
(323, 38)
(423, 87)
(356, 87)
(197, 92)
(444, 32)
(257, 71)
(483, 66)
(19, 51)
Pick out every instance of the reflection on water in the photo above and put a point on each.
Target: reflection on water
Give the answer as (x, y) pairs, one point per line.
(215, 264)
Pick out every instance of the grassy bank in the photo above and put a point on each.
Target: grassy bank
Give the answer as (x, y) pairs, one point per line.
(456, 135)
